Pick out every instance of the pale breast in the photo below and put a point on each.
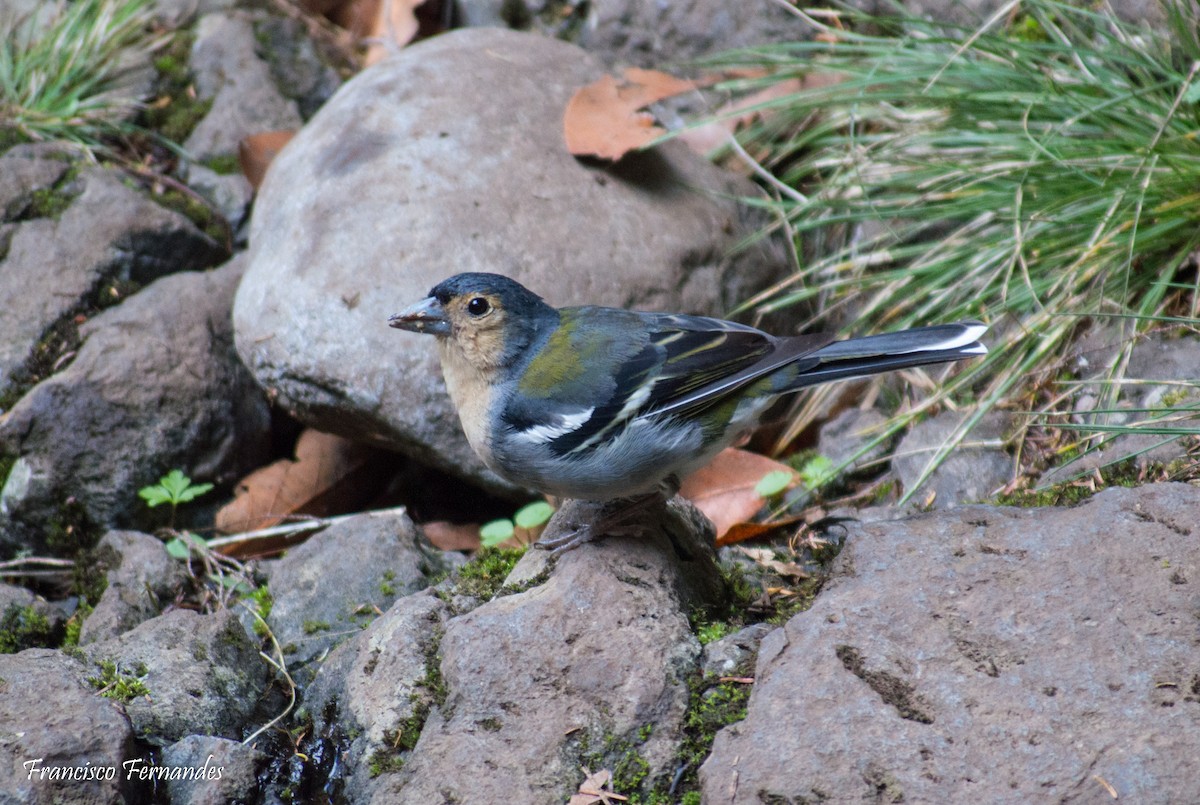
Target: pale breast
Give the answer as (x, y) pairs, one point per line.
(471, 394)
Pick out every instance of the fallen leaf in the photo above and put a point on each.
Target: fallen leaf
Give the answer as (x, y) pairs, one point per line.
(257, 151)
(735, 115)
(448, 536)
(604, 118)
(596, 790)
(765, 557)
(389, 25)
(724, 490)
(329, 474)
(742, 112)
(740, 532)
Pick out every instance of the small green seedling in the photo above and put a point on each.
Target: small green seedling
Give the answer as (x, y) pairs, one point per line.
(816, 472)
(173, 488)
(528, 518)
(773, 483)
(182, 546)
(493, 533)
(534, 515)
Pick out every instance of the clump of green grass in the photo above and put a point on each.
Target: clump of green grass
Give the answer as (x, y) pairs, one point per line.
(1037, 172)
(69, 79)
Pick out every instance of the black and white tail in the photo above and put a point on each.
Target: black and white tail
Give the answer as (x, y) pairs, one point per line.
(873, 354)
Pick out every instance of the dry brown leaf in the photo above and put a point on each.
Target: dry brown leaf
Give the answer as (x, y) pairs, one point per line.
(735, 115)
(740, 532)
(448, 536)
(765, 557)
(388, 23)
(392, 25)
(604, 118)
(330, 473)
(724, 490)
(596, 790)
(740, 113)
(256, 152)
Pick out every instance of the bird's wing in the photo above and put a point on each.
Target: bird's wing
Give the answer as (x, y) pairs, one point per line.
(646, 365)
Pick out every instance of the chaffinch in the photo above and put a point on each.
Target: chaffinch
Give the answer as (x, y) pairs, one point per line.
(604, 404)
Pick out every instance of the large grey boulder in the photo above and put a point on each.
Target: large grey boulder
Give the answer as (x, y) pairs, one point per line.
(449, 157)
(155, 386)
(987, 655)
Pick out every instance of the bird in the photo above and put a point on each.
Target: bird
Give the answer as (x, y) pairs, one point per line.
(617, 406)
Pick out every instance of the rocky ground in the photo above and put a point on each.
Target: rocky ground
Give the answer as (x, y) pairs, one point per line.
(964, 652)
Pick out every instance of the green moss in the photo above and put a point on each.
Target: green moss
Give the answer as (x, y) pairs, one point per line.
(385, 584)
(1061, 495)
(196, 211)
(711, 632)
(630, 771)
(48, 203)
(1124, 473)
(712, 705)
(429, 691)
(176, 110)
(623, 757)
(786, 607)
(383, 761)
(483, 577)
(312, 627)
(224, 164)
(262, 600)
(123, 686)
(490, 724)
(23, 627)
(75, 624)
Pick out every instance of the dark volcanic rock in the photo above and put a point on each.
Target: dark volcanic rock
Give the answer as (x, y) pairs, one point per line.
(578, 666)
(142, 579)
(155, 386)
(330, 587)
(50, 718)
(222, 771)
(56, 267)
(991, 655)
(203, 673)
(505, 701)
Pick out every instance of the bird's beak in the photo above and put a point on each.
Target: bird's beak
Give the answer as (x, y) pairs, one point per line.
(426, 316)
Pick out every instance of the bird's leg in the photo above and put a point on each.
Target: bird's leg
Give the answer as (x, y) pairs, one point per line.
(615, 522)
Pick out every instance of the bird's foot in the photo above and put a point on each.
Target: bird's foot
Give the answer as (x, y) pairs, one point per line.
(614, 523)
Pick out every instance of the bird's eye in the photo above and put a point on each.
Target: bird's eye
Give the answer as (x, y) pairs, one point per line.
(478, 306)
